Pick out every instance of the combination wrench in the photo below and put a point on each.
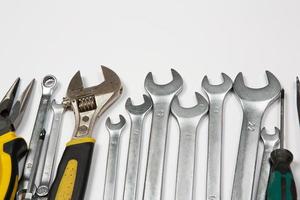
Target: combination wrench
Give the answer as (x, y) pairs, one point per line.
(271, 142)
(162, 96)
(188, 120)
(27, 184)
(254, 103)
(216, 95)
(137, 114)
(115, 131)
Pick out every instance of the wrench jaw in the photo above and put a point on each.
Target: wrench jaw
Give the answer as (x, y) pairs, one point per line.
(89, 103)
(268, 93)
(270, 140)
(115, 127)
(139, 110)
(222, 88)
(196, 112)
(172, 88)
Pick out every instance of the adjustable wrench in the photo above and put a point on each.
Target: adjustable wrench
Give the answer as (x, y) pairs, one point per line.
(115, 131)
(216, 95)
(188, 120)
(137, 114)
(271, 142)
(162, 96)
(254, 103)
(27, 183)
(88, 104)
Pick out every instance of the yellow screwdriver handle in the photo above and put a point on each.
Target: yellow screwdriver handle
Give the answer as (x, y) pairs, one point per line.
(73, 170)
(12, 149)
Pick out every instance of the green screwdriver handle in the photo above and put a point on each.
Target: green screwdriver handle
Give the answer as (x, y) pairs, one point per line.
(281, 184)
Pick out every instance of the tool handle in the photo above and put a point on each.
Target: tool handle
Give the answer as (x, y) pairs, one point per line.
(73, 170)
(12, 150)
(281, 184)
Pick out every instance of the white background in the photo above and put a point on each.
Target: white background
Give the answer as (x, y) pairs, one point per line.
(134, 37)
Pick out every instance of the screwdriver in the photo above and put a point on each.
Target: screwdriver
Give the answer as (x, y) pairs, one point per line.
(281, 185)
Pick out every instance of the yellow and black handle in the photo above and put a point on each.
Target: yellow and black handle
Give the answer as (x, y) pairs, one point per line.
(12, 150)
(73, 170)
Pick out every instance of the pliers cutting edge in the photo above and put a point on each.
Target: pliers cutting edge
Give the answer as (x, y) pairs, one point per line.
(12, 148)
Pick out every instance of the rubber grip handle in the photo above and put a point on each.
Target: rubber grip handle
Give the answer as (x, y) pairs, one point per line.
(12, 150)
(73, 170)
(281, 184)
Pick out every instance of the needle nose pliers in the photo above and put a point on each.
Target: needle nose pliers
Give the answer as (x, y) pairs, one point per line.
(12, 148)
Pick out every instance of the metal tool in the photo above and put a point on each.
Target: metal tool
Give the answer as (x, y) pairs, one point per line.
(281, 185)
(115, 131)
(12, 148)
(254, 103)
(49, 153)
(271, 142)
(162, 96)
(27, 187)
(87, 104)
(188, 120)
(137, 114)
(216, 95)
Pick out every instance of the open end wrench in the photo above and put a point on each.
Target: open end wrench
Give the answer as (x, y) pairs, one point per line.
(162, 96)
(29, 172)
(188, 120)
(137, 114)
(271, 142)
(254, 103)
(115, 131)
(216, 95)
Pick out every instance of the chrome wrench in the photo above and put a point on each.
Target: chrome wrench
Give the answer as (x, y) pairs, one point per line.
(254, 103)
(188, 120)
(162, 96)
(271, 142)
(29, 174)
(115, 131)
(137, 114)
(46, 176)
(216, 95)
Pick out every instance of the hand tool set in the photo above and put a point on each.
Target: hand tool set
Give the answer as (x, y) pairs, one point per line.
(270, 178)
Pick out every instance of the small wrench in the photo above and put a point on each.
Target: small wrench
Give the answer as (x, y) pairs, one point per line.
(271, 142)
(137, 114)
(29, 173)
(115, 131)
(50, 152)
(216, 95)
(188, 120)
(162, 96)
(254, 103)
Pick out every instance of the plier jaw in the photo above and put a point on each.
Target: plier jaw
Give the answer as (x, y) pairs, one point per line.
(11, 113)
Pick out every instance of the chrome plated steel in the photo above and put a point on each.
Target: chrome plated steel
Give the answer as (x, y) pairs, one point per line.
(115, 131)
(162, 96)
(48, 87)
(254, 103)
(188, 120)
(216, 95)
(271, 142)
(46, 175)
(137, 114)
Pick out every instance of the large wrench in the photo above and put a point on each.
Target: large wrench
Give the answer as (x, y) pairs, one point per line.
(115, 131)
(271, 142)
(27, 186)
(216, 95)
(162, 96)
(137, 114)
(254, 103)
(188, 120)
